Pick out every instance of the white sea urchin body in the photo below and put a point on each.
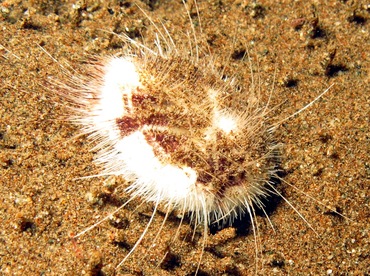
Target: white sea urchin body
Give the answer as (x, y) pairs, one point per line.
(179, 133)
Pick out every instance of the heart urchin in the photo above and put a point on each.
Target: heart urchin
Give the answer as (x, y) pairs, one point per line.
(179, 133)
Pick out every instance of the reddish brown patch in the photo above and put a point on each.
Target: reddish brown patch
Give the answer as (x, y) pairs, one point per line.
(204, 178)
(169, 143)
(128, 125)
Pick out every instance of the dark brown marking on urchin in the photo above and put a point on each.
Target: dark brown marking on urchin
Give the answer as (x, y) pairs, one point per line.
(143, 113)
(128, 125)
(125, 101)
(167, 142)
(204, 177)
(156, 120)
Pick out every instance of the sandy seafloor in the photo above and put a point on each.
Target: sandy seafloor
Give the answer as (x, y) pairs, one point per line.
(326, 148)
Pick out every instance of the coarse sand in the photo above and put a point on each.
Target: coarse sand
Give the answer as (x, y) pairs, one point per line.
(302, 47)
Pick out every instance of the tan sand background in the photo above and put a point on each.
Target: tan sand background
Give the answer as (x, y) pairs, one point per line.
(310, 44)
